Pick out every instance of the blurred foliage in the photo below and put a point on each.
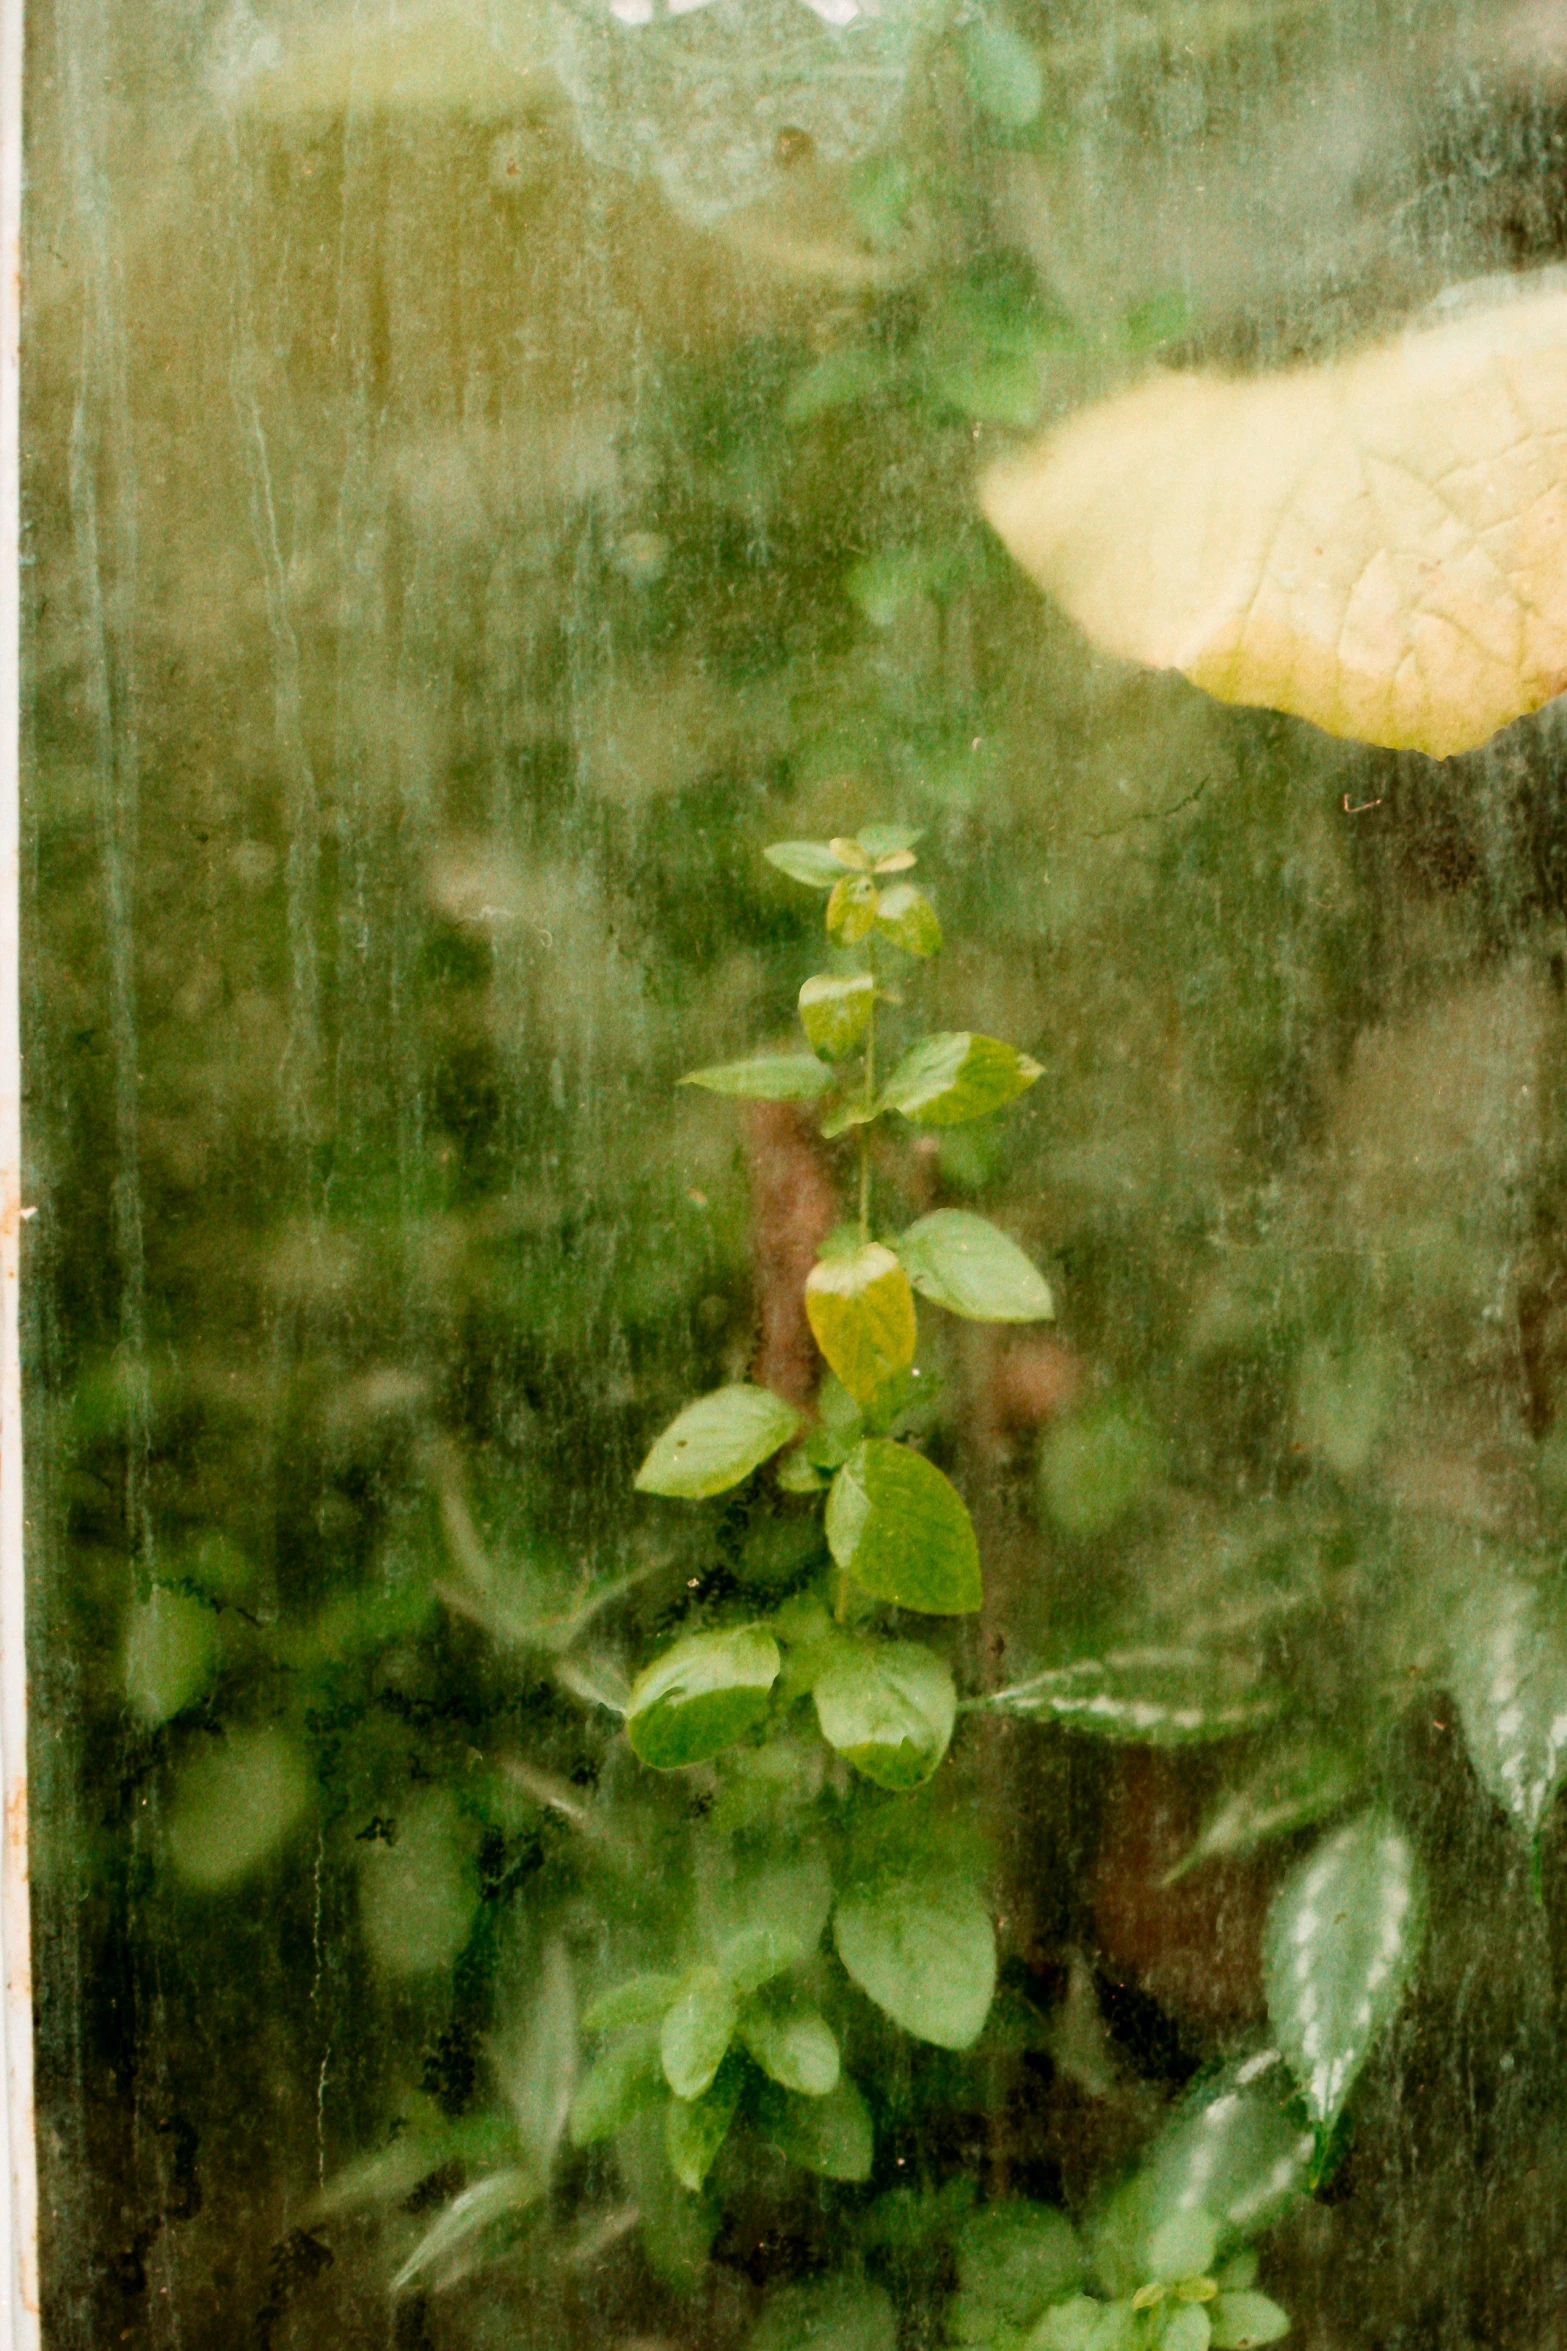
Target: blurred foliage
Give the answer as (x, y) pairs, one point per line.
(458, 540)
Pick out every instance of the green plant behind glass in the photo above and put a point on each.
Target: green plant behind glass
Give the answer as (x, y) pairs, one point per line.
(794, 1895)
(737, 2027)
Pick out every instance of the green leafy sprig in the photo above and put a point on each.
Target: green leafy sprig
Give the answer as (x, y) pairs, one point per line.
(735, 2030)
(896, 1527)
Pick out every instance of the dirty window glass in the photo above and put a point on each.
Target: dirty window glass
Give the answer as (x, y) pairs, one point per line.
(796, 1055)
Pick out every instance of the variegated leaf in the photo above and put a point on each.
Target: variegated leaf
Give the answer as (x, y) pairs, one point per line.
(1509, 1675)
(1342, 1940)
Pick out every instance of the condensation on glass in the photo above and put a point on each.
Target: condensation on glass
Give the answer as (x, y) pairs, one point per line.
(1041, 1836)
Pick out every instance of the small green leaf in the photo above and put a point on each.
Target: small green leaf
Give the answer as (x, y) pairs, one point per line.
(1149, 1697)
(171, 1653)
(622, 2079)
(835, 1011)
(907, 917)
(792, 2042)
(861, 1311)
(1115, 2328)
(536, 2066)
(500, 2196)
(418, 1894)
(882, 841)
(924, 1951)
(830, 2136)
(773, 1077)
(850, 852)
(1288, 1790)
(897, 1526)
(1242, 2322)
(701, 1696)
(1342, 1939)
(1187, 2328)
(641, 1999)
(766, 1920)
(879, 192)
(834, 2314)
(233, 1806)
(594, 1679)
(718, 1441)
(1183, 2245)
(697, 2031)
(387, 2175)
(889, 1708)
(983, 352)
(960, 1261)
(1509, 1675)
(851, 909)
(1098, 1466)
(957, 1075)
(1069, 2326)
(1004, 73)
(695, 2129)
(1160, 319)
(1017, 2258)
(854, 1113)
(811, 862)
(1231, 2149)
(984, 344)
(888, 583)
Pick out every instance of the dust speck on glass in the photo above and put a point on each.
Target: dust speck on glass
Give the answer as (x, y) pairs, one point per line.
(795, 987)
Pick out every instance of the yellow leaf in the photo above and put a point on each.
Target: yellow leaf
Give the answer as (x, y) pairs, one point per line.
(851, 906)
(861, 1309)
(1378, 544)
